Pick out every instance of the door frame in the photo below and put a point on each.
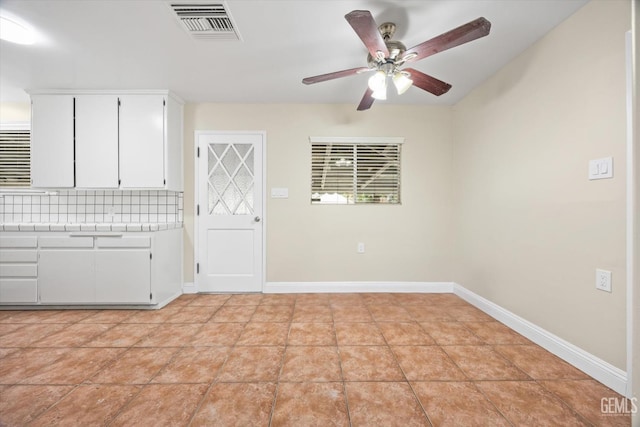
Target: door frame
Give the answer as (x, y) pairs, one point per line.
(196, 200)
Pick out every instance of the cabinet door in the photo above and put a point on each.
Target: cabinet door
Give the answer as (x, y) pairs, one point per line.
(52, 141)
(18, 290)
(142, 141)
(96, 141)
(66, 276)
(123, 276)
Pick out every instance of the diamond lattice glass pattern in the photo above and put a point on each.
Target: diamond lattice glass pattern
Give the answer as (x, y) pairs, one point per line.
(231, 179)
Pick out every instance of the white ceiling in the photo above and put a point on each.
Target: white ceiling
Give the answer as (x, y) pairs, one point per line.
(138, 44)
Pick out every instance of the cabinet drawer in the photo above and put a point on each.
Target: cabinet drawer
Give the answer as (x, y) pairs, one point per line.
(19, 270)
(18, 242)
(18, 291)
(66, 242)
(123, 242)
(10, 255)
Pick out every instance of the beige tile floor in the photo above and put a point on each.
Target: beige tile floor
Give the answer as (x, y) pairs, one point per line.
(287, 360)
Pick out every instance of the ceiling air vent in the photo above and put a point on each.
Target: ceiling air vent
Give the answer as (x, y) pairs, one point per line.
(206, 20)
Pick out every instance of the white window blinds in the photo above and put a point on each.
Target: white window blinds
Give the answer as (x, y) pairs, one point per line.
(15, 158)
(348, 172)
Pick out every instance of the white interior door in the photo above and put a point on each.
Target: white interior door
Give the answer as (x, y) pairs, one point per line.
(230, 204)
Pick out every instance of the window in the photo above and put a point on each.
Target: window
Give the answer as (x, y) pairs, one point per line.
(15, 157)
(355, 170)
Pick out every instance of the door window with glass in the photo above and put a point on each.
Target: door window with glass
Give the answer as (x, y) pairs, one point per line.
(230, 179)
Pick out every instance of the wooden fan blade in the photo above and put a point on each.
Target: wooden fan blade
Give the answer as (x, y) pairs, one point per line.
(463, 34)
(428, 83)
(367, 100)
(334, 75)
(367, 29)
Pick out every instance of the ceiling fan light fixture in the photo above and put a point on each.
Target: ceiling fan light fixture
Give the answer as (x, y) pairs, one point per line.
(401, 81)
(378, 81)
(380, 95)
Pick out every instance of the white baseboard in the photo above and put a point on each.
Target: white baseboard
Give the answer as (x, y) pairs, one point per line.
(607, 374)
(167, 299)
(355, 287)
(189, 288)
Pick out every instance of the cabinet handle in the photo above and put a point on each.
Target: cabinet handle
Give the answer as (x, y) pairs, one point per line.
(94, 235)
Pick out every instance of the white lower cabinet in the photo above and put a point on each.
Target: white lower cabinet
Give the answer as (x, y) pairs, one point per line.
(123, 277)
(18, 270)
(59, 268)
(66, 269)
(66, 276)
(84, 269)
(123, 270)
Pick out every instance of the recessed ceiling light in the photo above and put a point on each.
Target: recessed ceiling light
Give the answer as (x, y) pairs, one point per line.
(15, 32)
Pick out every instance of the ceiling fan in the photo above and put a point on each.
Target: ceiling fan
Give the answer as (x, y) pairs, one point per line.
(387, 57)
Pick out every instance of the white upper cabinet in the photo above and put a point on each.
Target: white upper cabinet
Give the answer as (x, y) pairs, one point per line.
(96, 141)
(107, 139)
(52, 154)
(142, 137)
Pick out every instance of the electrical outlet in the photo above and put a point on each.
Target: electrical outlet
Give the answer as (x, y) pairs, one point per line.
(111, 211)
(361, 248)
(603, 280)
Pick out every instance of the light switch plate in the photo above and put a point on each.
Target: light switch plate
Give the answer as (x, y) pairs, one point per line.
(601, 168)
(279, 193)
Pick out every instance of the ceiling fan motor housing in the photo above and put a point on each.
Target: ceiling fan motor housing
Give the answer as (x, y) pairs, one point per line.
(387, 30)
(396, 50)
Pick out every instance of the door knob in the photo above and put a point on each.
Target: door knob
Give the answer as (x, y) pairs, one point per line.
(256, 219)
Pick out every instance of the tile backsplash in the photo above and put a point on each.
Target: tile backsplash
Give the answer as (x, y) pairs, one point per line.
(93, 206)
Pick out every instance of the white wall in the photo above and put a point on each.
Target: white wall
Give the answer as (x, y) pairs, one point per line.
(407, 242)
(531, 229)
(13, 112)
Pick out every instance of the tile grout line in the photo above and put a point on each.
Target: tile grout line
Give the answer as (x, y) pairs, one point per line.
(81, 383)
(141, 386)
(472, 381)
(282, 359)
(492, 403)
(395, 358)
(344, 380)
(562, 401)
(214, 381)
(54, 404)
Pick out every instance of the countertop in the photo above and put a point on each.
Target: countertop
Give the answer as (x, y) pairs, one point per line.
(89, 226)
